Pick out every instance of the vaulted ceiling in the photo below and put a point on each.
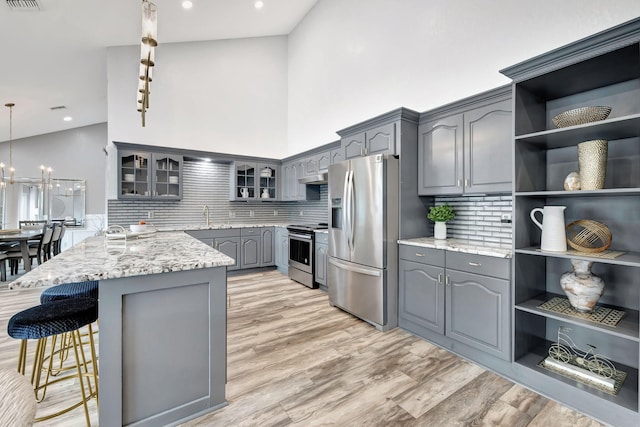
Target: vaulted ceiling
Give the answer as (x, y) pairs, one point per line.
(54, 55)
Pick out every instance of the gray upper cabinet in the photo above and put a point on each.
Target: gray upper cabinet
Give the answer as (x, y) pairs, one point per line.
(147, 175)
(440, 156)
(467, 152)
(337, 155)
(323, 161)
(292, 190)
(167, 176)
(251, 181)
(378, 140)
(382, 134)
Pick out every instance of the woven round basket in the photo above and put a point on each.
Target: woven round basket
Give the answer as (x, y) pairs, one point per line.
(586, 235)
(580, 116)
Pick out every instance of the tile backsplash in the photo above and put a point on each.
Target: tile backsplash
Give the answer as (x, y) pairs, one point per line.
(208, 183)
(479, 218)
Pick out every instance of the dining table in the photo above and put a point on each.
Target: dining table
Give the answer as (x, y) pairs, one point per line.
(21, 237)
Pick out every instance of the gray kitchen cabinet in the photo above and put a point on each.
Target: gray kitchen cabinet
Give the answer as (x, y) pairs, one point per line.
(282, 249)
(148, 175)
(337, 155)
(377, 140)
(250, 248)
(251, 181)
(292, 190)
(466, 147)
(453, 295)
(230, 246)
(267, 241)
(321, 251)
(227, 241)
(383, 134)
(601, 70)
(323, 161)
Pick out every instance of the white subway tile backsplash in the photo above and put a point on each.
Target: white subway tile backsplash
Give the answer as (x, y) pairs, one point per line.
(478, 218)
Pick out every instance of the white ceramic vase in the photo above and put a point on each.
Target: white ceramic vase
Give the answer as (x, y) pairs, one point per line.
(581, 286)
(440, 230)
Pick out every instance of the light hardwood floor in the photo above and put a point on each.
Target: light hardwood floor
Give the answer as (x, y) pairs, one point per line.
(294, 360)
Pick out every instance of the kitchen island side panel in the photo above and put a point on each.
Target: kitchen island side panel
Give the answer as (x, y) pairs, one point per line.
(162, 347)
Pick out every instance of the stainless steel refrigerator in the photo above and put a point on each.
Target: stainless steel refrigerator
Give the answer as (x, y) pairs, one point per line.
(363, 235)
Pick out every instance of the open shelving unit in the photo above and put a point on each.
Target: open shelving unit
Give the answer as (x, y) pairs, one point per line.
(600, 70)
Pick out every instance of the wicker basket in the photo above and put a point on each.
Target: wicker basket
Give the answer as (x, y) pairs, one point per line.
(585, 235)
(580, 116)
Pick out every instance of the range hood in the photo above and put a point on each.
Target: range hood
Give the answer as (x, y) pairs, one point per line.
(320, 178)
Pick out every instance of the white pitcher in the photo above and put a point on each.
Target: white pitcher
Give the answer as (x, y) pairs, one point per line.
(244, 192)
(554, 237)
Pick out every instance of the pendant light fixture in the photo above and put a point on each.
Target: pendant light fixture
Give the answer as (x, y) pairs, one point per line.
(148, 44)
(12, 171)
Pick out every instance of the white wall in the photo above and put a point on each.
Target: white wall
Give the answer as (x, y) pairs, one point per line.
(225, 96)
(350, 60)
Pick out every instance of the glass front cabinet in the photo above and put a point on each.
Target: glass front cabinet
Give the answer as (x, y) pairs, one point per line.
(145, 175)
(254, 181)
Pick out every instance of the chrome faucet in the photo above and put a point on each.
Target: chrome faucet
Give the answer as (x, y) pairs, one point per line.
(205, 213)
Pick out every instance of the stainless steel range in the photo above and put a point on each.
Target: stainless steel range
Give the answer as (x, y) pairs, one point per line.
(301, 253)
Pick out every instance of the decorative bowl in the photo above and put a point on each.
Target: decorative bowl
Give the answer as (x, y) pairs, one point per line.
(586, 235)
(129, 177)
(580, 116)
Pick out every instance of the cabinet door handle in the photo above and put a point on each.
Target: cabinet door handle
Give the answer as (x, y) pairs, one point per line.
(459, 182)
(475, 264)
(446, 280)
(417, 254)
(466, 182)
(440, 278)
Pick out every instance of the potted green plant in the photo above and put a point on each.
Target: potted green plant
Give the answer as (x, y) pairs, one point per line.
(440, 215)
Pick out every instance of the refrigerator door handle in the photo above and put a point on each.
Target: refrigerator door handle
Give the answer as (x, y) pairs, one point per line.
(352, 209)
(345, 210)
(361, 270)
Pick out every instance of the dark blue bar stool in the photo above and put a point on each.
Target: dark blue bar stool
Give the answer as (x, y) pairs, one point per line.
(50, 320)
(70, 290)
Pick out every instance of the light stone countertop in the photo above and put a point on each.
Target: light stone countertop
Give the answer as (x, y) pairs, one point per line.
(220, 226)
(97, 259)
(462, 245)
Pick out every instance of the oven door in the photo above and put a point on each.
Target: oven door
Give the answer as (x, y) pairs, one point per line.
(301, 251)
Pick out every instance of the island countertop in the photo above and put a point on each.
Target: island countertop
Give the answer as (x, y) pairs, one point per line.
(95, 259)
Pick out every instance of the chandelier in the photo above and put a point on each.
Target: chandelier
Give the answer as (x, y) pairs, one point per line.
(12, 170)
(147, 54)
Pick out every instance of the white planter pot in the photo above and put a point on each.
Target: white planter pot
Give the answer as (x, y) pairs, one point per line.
(440, 230)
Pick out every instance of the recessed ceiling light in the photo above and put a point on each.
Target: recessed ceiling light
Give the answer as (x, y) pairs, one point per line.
(67, 118)
(258, 4)
(186, 4)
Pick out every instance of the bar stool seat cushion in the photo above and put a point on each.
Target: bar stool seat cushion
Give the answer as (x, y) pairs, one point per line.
(70, 290)
(53, 318)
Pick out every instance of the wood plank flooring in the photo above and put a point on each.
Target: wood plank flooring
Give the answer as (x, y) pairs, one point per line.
(295, 361)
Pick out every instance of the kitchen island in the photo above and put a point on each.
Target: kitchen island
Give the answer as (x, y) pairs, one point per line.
(162, 334)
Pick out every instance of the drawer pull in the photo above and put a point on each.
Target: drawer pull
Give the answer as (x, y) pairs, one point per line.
(475, 264)
(417, 254)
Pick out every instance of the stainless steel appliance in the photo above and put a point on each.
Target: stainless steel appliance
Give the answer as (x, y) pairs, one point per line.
(301, 253)
(363, 236)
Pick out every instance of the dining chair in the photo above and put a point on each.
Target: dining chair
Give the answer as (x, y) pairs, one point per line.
(40, 252)
(56, 239)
